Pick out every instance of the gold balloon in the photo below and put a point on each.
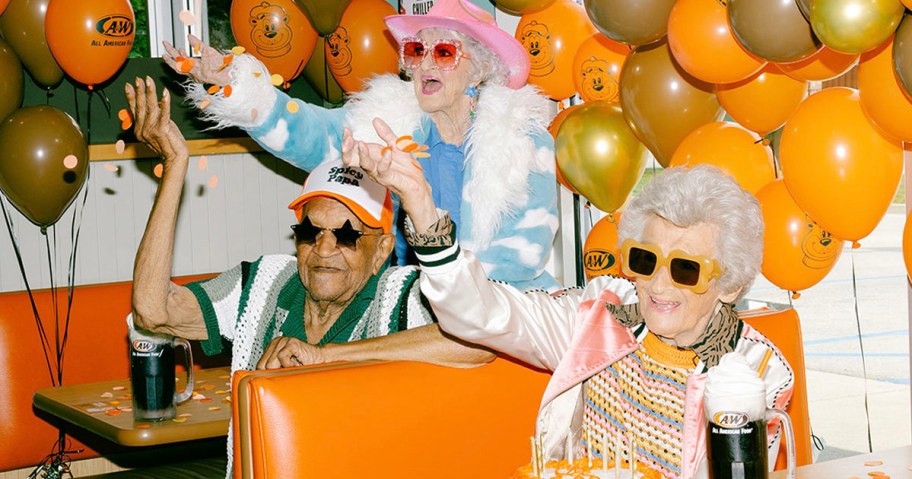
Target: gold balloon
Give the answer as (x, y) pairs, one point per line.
(599, 155)
(855, 26)
(902, 55)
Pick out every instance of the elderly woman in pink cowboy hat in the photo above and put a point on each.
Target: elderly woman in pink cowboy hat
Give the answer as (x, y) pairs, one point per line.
(489, 157)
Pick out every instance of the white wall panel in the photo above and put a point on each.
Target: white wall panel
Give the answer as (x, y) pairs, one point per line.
(244, 216)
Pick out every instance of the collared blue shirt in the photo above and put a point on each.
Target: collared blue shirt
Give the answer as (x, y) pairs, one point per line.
(444, 171)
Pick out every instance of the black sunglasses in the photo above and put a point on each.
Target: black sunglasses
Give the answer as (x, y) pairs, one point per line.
(346, 235)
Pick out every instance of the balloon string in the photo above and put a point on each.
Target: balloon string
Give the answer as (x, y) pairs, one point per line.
(51, 260)
(578, 242)
(42, 334)
(864, 367)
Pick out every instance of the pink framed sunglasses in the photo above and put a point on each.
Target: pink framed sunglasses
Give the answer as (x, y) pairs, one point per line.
(446, 53)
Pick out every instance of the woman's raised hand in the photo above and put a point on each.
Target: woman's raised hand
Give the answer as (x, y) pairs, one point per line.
(210, 68)
(152, 123)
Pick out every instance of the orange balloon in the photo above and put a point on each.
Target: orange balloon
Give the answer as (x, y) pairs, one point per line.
(703, 43)
(601, 252)
(882, 96)
(597, 68)
(797, 253)
(551, 37)
(276, 32)
(736, 150)
(90, 40)
(362, 46)
(3, 5)
(826, 64)
(838, 167)
(907, 244)
(763, 102)
(553, 129)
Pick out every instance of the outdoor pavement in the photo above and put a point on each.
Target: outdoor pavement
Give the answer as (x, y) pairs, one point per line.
(866, 292)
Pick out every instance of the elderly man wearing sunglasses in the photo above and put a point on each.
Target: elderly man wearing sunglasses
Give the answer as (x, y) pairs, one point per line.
(478, 131)
(629, 357)
(336, 299)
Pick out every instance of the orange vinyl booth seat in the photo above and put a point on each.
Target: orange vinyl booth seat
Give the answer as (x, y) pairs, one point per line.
(385, 420)
(96, 350)
(412, 420)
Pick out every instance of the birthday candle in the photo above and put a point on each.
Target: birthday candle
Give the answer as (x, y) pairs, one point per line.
(633, 461)
(589, 448)
(605, 450)
(535, 471)
(569, 454)
(617, 456)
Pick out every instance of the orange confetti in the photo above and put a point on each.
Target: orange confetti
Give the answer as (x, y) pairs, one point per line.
(203, 104)
(186, 17)
(118, 388)
(253, 113)
(113, 412)
(227, 91)
(114, 403)
(143, 426)
(187, 65)
(277, 79)
(70, 161)
(226, 60)
(222, 391)
(876, 474)
(292, 106)
(213, 90)
(180, 59)
(107, 395)
(213, 182)
(196, 49)
(873, 463)
(201, 165)
(206, 400)
(120, 147)
(226, 399)
(238, 50)
(180, 419)
(214, 408)
(184, 414)
(257, 74)
(157, 171)
(126, 409)
(126, 119)
(113, 169)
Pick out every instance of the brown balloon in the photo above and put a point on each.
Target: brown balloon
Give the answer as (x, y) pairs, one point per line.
(522, 7)
(43, 162)
(324, 15)
(11, 80)
(22, 26)
(774, 30)
(902, 54)
(635, 22)
(320, 78)
(662, 103)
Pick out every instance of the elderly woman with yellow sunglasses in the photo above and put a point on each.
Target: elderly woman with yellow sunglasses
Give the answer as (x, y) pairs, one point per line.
(629, 359)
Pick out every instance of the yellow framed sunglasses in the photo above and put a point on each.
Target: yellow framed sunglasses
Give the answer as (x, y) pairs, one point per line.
(640, 260)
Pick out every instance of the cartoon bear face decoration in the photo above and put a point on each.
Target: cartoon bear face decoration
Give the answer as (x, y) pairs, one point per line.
(270, 32)
(536, 39)
(598, 83)
(338, 55)
(819, 247)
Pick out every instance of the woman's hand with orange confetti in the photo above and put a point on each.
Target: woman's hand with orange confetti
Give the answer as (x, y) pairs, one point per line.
(211, 68)
(153, 124)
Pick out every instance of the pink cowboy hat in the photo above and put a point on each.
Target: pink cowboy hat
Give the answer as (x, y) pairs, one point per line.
(467, 18)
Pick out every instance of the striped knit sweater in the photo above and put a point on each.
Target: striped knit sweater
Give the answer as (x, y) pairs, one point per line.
(641, 396)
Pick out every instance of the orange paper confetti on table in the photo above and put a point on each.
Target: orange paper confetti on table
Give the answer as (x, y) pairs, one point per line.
(113, 412)
(214, 408)
(873, 463)
(180, 419)
(142, 426)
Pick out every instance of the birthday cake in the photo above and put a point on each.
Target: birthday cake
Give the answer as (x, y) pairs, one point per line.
(581, 469)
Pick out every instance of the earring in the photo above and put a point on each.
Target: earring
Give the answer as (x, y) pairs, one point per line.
(472, 92)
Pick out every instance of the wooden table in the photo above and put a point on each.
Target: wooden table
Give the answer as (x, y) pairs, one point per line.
(896, 464)
(105, 408)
